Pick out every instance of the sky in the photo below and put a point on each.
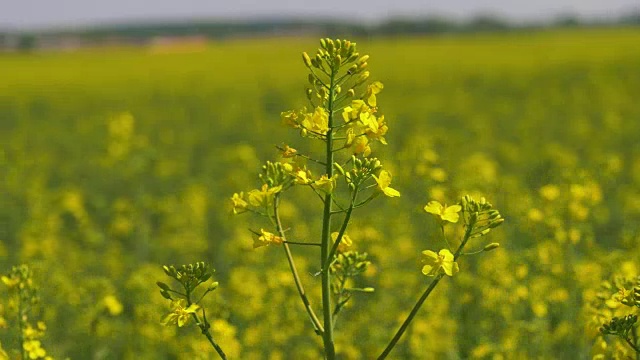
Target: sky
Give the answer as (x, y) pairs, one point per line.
(38, 14)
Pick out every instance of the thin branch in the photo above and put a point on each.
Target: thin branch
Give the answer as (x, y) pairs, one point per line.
(304, 156)
(343, 228)
(294, 271)
(422, 299)
(301, 243)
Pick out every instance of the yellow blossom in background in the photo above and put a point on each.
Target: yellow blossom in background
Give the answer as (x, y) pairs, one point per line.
(10, 282)
(550, 192)
(443, 212)
(535, 215)
(112, 304)
(34, 349)
(384, 180)
(266, 238)
(438, 174)
(433, 262)
(179, 314)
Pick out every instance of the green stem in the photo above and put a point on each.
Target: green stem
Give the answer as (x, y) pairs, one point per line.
(21, 322)
(634, 336)
(343, 228)
(425, 295)
(296, 278)
(327, 336)
(204, 328)
(635, 348)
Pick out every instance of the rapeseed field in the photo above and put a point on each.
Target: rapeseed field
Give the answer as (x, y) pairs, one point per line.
(117, 161)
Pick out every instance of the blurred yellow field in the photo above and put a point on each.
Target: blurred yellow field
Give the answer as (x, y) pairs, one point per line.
(115, 162)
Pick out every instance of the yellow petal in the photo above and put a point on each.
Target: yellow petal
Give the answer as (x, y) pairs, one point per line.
(427, 270)
(433, 207)
(430, 255)
(390, 192)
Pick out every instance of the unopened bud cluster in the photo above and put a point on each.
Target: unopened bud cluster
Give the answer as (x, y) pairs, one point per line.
(350, 264)
(362, 170)
(276, 174)
(189, 276)
(480, 216)
(332, 54)
(619, 326)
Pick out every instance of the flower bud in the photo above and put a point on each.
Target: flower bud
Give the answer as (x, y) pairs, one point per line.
(306, 59)
(162, 285)
(496, 223)
(165, 295)
(214, 285)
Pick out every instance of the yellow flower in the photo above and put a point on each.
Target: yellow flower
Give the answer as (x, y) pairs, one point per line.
(384, 180)
(361, 146)
(302, 177)
(326, 184)
(433, 262)
(290, 118)
(112, 304)
(288, 152)
(239, 204)
(179, 314)
(266, 238)
(34, 349)
(345, 243)
(318, 121)
(378, 130)
(443, 212)
(372, 90)
(10, 282)
(550, 192)
(264, 196)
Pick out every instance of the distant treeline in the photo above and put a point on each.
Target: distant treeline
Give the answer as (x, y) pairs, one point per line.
(140, 33)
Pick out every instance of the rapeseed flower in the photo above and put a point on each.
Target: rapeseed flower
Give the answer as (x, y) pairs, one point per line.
(434, 262)
(266, 238)
(384, 180)
(179, 314)
(444, 212)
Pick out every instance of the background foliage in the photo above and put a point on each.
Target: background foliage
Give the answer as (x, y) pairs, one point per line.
(116, 161)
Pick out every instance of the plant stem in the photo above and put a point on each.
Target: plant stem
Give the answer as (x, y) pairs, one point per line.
(327, 336)
(634, 337)
(343, 228)
(635, 348)
(204, 328)
(425, 295)
(409, 318)
(21, 324)
(296, 278)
